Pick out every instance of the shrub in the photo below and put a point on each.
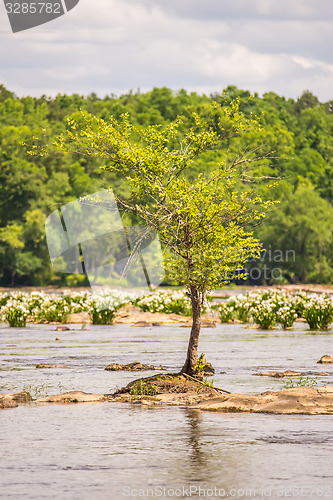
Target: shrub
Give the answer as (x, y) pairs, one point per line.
(264, 314)
(318, 312)
(165, 301)
(15, 313)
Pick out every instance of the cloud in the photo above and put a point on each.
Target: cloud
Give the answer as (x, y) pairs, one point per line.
(204, 45)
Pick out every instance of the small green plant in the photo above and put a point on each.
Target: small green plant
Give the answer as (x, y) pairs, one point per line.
(61, 387)
(226, 313)
(208, 383)
(37, 391)
(104, 317)
(141, 389)
(301, 382)
(201, 363)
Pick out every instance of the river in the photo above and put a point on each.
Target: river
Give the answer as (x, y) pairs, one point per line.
(114, 451)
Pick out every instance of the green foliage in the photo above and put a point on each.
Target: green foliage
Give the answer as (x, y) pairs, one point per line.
(141, 388)
(15, 313)
(318, 312)
(166, 301)
(201, 363)
(301, 382)
(201, 221)
(299, 131)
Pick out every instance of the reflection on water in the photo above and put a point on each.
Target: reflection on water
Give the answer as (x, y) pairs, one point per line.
(109, 451)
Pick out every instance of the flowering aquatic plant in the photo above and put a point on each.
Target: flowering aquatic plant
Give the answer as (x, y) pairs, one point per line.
(15, 313)
(318, 312)
(166, 301)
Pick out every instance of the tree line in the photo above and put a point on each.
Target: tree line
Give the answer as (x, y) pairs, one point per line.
(297, 235)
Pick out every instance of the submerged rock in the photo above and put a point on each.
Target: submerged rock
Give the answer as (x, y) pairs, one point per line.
(46, 365)
(135, 366)
(73, 397)
(326, 359)
(62, 328)
(290, 373)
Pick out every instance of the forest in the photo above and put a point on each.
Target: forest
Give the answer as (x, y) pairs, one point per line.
(297, 235)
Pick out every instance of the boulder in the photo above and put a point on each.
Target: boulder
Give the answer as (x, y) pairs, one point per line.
(325, 359)
(73, 397)
(12, 400)
(62, 328)
(208, 369)
(46, 365)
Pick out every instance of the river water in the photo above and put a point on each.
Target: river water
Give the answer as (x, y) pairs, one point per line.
(114, 451)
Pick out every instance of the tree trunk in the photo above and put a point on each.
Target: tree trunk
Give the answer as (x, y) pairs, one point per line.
(192, 351)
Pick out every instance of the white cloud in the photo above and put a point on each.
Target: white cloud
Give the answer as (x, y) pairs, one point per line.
(108, 46)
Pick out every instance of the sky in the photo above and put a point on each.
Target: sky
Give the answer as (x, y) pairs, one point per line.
(114, 46)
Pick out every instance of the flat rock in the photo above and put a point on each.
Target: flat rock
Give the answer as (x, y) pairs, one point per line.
(147, 319)
(77, 318)
(47, 365)
(12, 400)
(135, 366)
(300, 400)
(326, 359)
(73, 397)
(289, 373)
(205, 323)
(62, 328)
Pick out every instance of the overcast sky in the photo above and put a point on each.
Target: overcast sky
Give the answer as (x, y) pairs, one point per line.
(112, 46)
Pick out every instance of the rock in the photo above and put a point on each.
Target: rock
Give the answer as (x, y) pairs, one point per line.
(300, 400)
(12, 400)
(208, 323)
(325, 359)
(290, 373)
(287, 373)
(46, 365)
(135, 318)
(73, 397)
(77, 318)
(62, 328)
(135, 366)
(6, 402)
(157, 323)
(208, 369)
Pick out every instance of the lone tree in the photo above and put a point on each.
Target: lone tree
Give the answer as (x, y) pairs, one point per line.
(205, 221)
